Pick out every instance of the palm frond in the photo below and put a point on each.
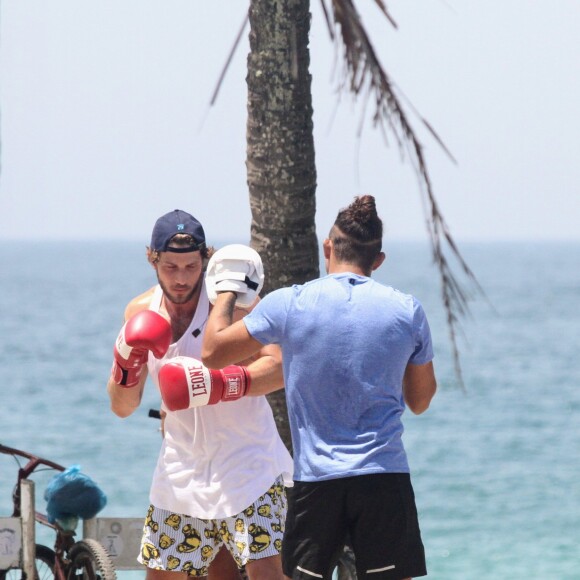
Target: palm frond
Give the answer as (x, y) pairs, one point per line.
(383, 8)
(365, 75)
(229, 60)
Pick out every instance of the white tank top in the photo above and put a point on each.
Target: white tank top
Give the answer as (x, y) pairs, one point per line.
(216, 460)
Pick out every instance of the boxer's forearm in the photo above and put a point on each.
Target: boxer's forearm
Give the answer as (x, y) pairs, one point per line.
(225, 343)
(266, 372)
(125, 401)
(222, 313)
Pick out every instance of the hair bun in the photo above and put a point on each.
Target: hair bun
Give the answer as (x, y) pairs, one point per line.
(364, 208)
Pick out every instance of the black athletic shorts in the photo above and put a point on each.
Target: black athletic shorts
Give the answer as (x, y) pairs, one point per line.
(375, 514)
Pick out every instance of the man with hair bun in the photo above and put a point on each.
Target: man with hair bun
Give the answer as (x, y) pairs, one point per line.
(355, 354)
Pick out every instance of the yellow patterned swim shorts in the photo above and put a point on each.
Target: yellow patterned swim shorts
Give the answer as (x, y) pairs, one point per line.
(182, 543)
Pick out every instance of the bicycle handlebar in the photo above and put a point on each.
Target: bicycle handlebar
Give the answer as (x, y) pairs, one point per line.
(33, 461)
(24, 472)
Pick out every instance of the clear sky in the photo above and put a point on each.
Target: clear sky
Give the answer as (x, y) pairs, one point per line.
(105, 121)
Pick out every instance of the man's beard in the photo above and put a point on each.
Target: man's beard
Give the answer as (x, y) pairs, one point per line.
(182, 299)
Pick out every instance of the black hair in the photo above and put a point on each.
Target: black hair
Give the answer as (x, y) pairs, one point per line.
(357, 233)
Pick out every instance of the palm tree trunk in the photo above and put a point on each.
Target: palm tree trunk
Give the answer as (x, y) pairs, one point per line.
(280, 153)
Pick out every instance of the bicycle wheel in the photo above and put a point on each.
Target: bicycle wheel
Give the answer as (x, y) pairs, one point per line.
(90, 561)
(43, 561)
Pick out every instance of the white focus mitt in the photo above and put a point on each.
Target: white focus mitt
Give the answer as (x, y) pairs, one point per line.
(235, 268)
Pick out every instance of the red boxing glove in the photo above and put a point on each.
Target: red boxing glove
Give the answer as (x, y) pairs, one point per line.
(144, 332)
(185, 382)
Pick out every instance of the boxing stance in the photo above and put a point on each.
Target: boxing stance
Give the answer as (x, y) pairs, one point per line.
(184, 381)
(204, 485)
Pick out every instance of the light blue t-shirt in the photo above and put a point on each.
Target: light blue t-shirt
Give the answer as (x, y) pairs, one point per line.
(346, 341)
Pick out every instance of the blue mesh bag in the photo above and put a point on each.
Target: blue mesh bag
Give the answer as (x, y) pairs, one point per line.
(72, 495)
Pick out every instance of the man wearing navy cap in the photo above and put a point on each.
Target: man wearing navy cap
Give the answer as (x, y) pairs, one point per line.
(218, 486)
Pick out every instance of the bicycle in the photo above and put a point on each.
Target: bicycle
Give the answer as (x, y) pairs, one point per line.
(69, 559)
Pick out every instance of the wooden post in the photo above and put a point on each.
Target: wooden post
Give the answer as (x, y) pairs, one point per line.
(28, 528)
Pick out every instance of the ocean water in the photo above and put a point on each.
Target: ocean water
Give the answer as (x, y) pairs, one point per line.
(495, 466)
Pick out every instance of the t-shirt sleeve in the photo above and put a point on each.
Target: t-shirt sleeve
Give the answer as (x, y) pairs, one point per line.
(423, 352)
(266, 322)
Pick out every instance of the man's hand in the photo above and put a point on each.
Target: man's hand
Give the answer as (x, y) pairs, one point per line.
(185, 382)
(145, 331)
(235, 268)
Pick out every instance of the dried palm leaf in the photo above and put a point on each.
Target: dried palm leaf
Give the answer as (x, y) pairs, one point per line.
(364, 75)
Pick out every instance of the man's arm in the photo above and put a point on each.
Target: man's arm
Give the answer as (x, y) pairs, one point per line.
(265, 366)
(125, 401)
(225, 343)
(186, 382)
(147, 331)
(266, 372)
(419, 386)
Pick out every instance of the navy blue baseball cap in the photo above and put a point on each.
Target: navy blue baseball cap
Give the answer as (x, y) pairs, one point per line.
(177, 222)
